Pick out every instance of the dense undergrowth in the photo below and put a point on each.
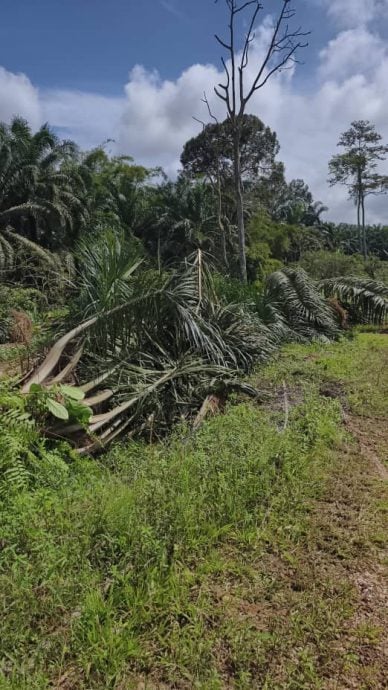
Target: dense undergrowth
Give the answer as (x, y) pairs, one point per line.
(110, 576)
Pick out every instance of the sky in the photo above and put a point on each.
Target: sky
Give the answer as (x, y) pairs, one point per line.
(134, 71)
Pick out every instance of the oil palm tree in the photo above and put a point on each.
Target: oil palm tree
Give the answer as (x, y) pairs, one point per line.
(41, 188)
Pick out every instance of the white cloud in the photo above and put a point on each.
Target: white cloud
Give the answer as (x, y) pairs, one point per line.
(153, 118)
(352, 13)
(88, 118)
(18, 97)
(157, 117)
(355, 51)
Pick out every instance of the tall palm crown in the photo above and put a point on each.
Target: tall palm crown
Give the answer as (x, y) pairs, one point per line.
(41, 186)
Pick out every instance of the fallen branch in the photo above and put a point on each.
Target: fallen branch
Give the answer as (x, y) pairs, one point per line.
(210, 406)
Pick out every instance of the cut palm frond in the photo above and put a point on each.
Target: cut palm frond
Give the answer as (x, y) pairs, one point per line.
(368, 297)
(298, 300)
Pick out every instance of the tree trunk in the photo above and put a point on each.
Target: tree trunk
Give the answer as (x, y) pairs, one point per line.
(223, 245)
(360, 246)
(200, 279)
(221, 224)
(364, 243)
(239, 205)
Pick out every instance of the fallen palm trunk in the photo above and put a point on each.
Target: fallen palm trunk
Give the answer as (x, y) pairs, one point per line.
(52, 360)
(65, 373)
(104, 427)
(210, 406)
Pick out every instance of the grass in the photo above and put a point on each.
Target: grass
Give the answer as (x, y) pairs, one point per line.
(358, 364)
(225, 560)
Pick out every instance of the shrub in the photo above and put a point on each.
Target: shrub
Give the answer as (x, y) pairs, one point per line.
(27, 459)
(324, 264)
(17, 300)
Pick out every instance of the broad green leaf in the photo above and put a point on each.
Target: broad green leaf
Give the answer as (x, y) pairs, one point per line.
(79, 412)
(72, 392)
(57, 409)
(36, 388)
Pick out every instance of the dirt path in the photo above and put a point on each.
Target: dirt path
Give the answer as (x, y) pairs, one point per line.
(372, 439)
(357, 511)
(368, 627)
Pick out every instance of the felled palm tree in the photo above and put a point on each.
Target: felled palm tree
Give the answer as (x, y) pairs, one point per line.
(368, 299)
(149, 342)
(153, 344)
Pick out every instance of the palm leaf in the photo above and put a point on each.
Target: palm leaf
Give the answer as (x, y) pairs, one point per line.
(297, 298)
(368, 297)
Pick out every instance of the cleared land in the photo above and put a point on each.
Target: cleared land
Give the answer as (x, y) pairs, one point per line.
(252, 555)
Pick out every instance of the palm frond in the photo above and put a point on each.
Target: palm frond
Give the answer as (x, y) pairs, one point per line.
(297, 298)
(368, 297)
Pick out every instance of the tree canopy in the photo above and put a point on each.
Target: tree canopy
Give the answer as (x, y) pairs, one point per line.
(357, 168)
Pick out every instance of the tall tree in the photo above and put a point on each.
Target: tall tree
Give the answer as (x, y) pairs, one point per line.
(213, 149)
(236, 94)
(356, 169)
(210, 155)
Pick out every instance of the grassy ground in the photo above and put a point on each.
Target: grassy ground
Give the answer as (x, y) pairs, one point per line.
(250, 556)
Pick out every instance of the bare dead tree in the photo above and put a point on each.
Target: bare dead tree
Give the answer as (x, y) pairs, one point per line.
(216, 184)
(280, 54)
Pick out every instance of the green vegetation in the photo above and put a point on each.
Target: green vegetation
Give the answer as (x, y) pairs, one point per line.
(196, 553)
(149, 317)
(347, 365)
(191, 563)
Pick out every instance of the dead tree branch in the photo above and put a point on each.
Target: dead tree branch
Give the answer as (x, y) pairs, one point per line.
(280, 55)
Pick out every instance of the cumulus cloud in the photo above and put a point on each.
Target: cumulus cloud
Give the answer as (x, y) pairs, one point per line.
(18, 97)
(157, 116)
(88, 118)
(154, 117)
(355, 51)
(352, 13)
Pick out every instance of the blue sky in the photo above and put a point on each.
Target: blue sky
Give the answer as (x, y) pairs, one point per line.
(135, 70)
(92, 44)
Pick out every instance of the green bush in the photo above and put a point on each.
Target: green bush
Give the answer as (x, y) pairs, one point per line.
(324, 264)
(27, 300)
(327, 264)
(233, 291)
(27, 460)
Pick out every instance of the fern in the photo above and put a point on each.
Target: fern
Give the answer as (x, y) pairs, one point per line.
(17, 435)
(26, 460)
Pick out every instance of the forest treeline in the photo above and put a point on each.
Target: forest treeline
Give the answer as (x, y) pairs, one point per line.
(57, 196)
